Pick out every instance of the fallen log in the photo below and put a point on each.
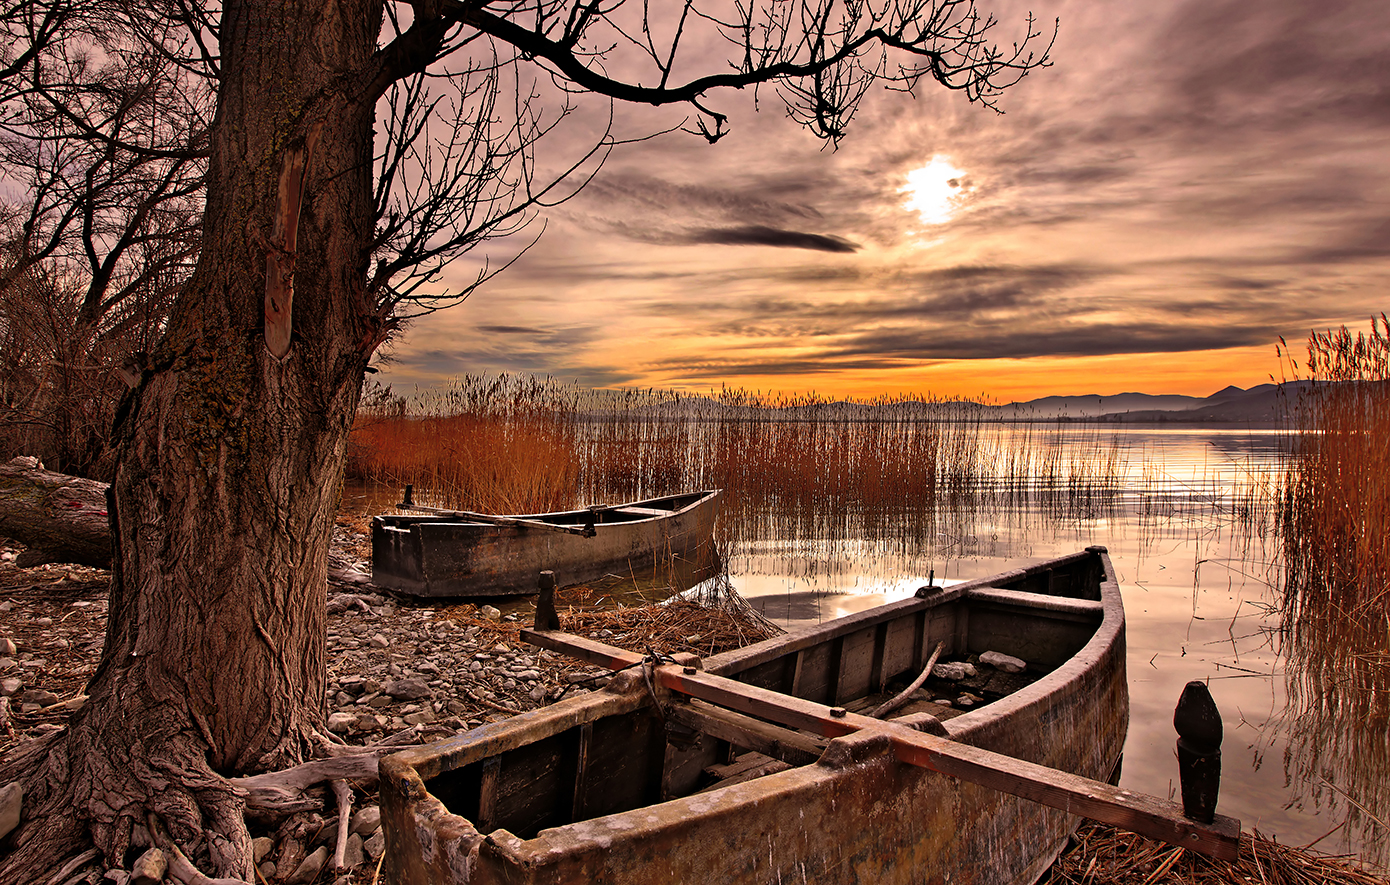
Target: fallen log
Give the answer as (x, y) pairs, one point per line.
(59, 518)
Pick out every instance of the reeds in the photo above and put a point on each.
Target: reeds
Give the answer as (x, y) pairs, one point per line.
(1335, 528)
(790, 466)
(1102, 855)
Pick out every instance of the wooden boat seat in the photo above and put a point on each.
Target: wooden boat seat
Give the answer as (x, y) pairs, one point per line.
(640, 511)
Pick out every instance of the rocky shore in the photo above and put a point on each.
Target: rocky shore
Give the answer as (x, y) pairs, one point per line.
(396, 672)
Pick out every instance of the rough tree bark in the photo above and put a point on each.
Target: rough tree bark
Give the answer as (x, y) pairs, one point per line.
(219, 425)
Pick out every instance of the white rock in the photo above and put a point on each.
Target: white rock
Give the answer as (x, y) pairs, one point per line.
(260, 848)
(352, 852)
(366, 820)
(965, 701)
(490, 612)
(150, 868)
(7, 646)
(954, 670)
(1001, 661)
(380, 641)
(375, 845)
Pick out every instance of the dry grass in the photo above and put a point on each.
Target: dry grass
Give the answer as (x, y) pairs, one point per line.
(1101, 855)
(790, 466)
(1335, 515)
(665, 628)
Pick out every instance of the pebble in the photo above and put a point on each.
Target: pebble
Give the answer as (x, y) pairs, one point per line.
(42, 697)
(353, 855)
(11, 802)
(366, 820)
(340, 722)
(375, 845)
(408, 689)
(380, 641)
(309, 868)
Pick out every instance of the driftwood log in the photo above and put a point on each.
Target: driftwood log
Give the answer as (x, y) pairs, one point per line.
(59, 518)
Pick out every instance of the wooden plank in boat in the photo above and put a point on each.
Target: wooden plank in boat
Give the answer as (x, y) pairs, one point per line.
(640, 511)
(749, 733)
(749, 766)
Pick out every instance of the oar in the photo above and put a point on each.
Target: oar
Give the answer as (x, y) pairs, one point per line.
(1126, 809)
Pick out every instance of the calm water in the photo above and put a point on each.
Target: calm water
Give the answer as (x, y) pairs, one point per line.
(1195, 564)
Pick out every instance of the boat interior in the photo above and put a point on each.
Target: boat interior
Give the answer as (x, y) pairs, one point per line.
(630, 746)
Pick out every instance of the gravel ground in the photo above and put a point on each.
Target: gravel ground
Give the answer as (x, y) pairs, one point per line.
(391, 665)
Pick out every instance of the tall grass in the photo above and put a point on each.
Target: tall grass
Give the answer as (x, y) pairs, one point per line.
(1335, 514)
(790, 466)
(1336, 507)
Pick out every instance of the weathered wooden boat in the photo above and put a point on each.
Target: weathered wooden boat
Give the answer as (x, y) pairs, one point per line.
(457, 553)
(614, 786)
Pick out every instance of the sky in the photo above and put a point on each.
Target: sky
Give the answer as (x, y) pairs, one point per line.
(1188, 182)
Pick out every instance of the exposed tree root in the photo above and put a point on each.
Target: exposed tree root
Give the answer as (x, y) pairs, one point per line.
(90, 798)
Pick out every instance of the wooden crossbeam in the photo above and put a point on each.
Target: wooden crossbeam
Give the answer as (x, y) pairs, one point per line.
(1136, 812)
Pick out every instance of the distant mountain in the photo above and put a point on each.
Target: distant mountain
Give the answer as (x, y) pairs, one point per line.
(1264, 403)
(1094, 406)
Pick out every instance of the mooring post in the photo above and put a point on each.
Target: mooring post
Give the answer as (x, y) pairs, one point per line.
(546, 618)
(406, 501)
(1198, 724)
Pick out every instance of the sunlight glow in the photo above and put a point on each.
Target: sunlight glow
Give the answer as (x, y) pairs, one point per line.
(936, 190)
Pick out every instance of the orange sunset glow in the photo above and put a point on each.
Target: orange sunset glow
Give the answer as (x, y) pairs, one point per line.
(1184, 185)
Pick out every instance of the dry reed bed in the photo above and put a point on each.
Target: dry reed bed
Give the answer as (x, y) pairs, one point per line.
(1335, 531)
(790, 466)
(1102, 855)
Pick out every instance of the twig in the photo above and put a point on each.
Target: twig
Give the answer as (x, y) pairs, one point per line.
(344, 794)
(902, 696)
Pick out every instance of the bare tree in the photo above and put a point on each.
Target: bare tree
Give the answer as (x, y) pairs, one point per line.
(103, 131)
(316, 240)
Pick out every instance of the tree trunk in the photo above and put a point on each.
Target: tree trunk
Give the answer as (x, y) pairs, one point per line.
(230, 461)
(59, 518)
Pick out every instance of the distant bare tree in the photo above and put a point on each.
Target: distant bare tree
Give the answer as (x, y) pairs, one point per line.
(104, 132)
(318, 236)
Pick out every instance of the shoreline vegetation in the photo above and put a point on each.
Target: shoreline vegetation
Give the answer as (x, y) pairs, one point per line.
(1334, 508)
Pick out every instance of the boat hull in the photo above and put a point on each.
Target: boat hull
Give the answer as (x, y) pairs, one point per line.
(444, 555)
(597, 789)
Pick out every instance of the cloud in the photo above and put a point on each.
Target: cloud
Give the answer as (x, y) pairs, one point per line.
(760, 235)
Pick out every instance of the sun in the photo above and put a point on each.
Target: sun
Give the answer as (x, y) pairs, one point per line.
(935, 190)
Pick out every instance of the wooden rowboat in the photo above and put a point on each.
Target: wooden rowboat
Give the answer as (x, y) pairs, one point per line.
(457, 553)
(615, 786)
